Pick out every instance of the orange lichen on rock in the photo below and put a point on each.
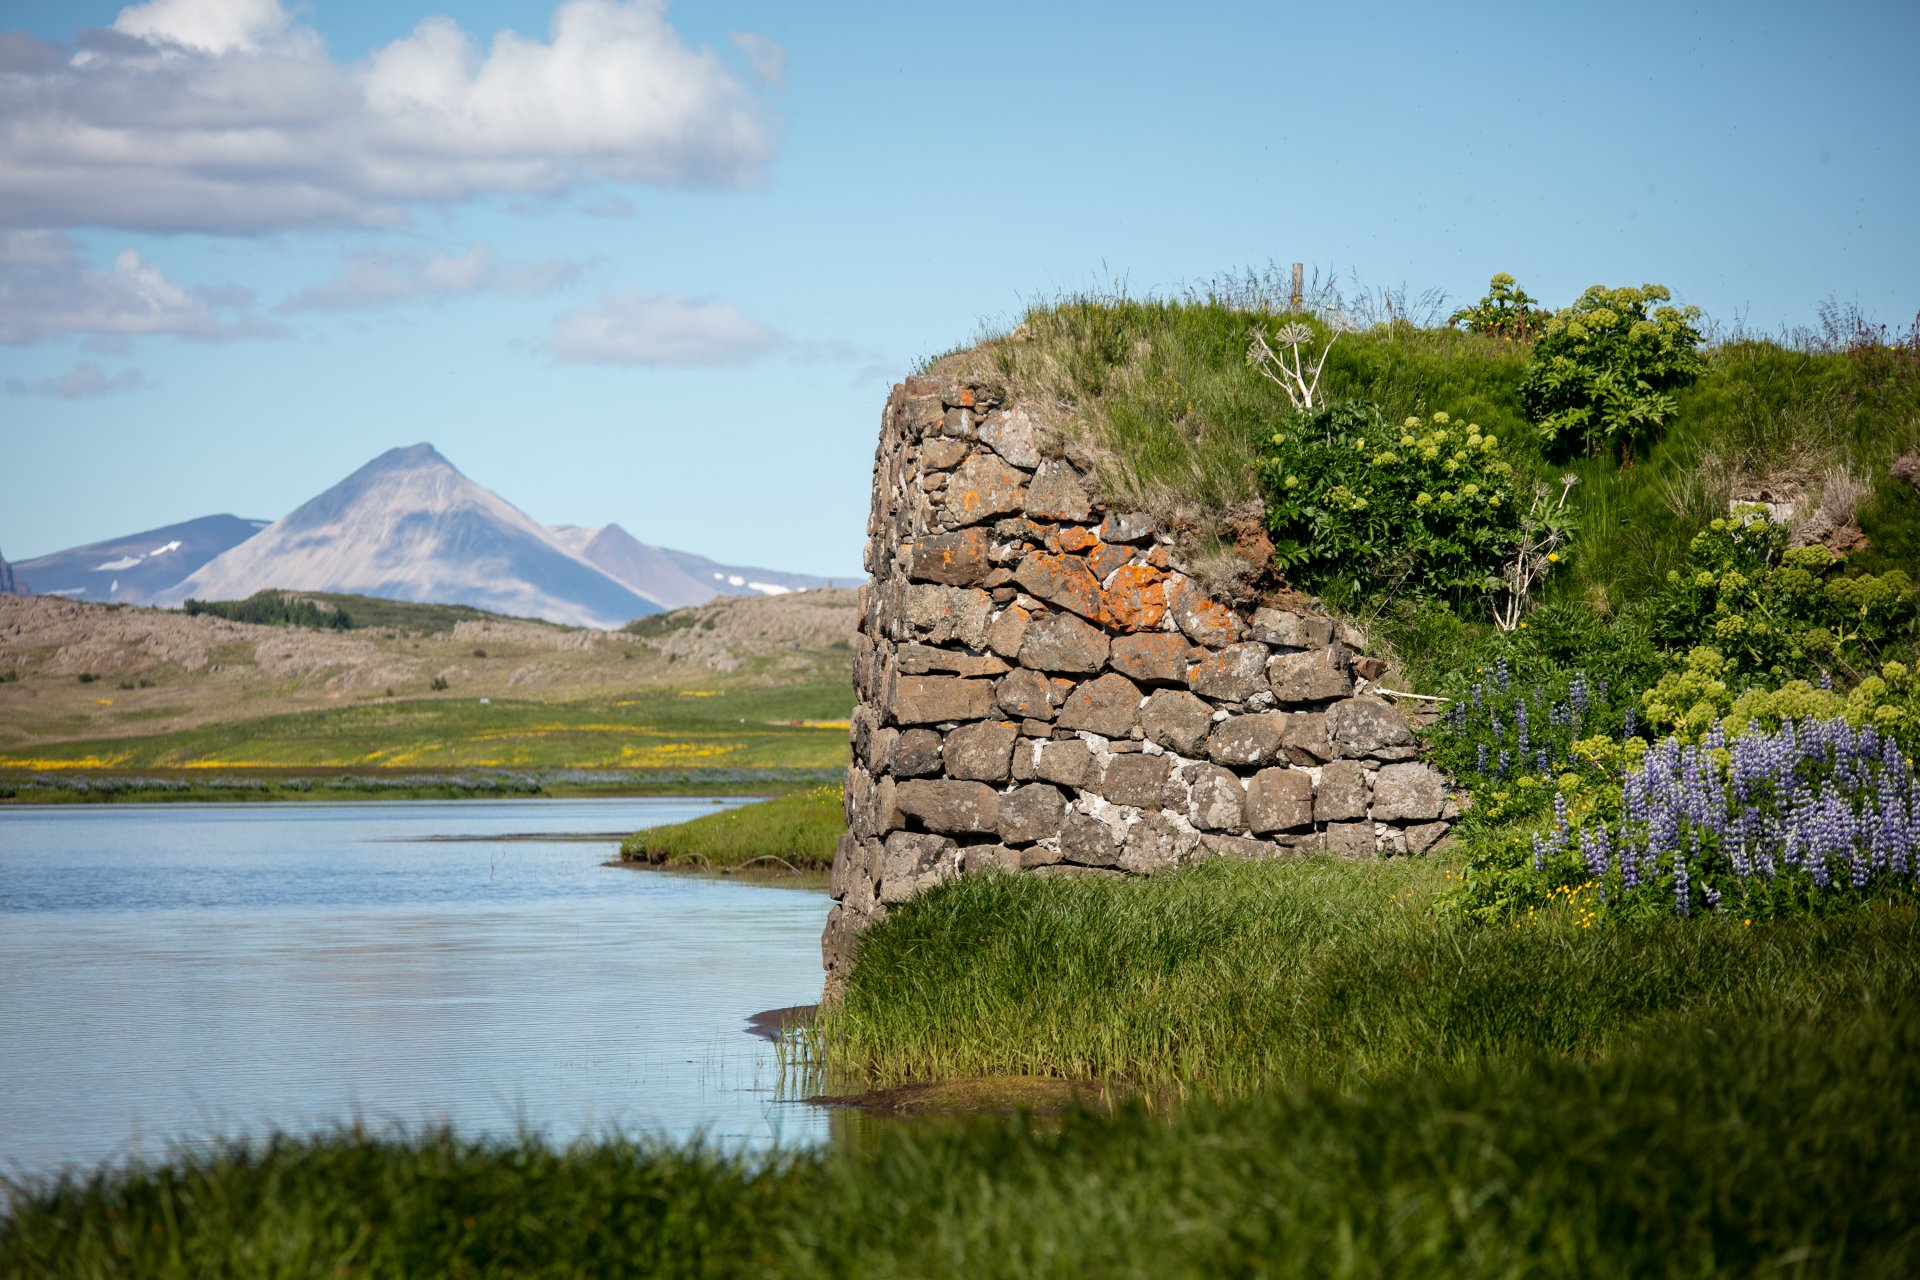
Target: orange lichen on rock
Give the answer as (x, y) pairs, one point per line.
(1136, 598)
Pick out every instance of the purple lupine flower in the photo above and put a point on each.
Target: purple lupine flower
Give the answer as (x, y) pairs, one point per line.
(1539, 853)
(1543, 760)
(1627, 724)
(1593, 846)
(1480, 760)
(1712, 895)
(1500, 672)
(1681, 905)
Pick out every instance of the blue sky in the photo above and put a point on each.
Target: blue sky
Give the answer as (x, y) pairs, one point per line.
(659, 265)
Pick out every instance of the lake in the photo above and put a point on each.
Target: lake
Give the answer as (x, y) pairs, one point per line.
(184, 972)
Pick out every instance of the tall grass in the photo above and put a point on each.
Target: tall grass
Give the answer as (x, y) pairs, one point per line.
(1158, 395)
(1232, 977)
(1773, 1145)
(798, 831)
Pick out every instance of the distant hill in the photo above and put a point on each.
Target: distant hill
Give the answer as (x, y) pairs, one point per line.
(677, 579)
(136, 568)
(410, 526)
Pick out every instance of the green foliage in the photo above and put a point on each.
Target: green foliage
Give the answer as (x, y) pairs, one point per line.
(1230, 977)
(273, 609)
(1706, 689)
(1603, 371)
(799, 831)
(1775, 612)
(1751, 1143)
(1506, 312)
(1358, 506)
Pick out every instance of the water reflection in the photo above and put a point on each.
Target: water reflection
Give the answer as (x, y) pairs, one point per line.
(185, 972)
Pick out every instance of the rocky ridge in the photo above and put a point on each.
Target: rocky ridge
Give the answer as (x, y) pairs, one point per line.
(1042, 689)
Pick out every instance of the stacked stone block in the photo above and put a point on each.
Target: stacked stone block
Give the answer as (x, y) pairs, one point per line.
(1041, 689)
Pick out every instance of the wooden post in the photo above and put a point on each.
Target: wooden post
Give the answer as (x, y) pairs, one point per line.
(1294, 305)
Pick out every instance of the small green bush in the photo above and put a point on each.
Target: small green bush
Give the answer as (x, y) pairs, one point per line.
(1506, 312)
(1357, 506)
(1778, 612)
(1603, 371)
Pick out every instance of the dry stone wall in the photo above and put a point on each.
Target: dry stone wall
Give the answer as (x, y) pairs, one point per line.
(1041, 689)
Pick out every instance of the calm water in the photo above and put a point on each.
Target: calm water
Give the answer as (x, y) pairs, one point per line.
(183, 972)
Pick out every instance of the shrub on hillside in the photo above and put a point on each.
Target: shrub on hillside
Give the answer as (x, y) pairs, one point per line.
(1603, 371)
(272, 609)
(1359, 507)
(1506, 312)
(1777, 612)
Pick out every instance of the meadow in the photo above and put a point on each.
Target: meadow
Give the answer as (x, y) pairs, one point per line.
(730, 696)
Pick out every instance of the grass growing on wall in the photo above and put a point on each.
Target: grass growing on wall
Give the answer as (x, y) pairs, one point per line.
(1159, 395)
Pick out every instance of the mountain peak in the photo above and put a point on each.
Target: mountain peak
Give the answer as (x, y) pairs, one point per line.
(409, 526)
(408, 457)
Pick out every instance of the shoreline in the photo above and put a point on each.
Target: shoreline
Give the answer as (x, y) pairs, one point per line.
(297, 784)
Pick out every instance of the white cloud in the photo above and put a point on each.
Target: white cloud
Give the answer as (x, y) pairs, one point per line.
(228, 116)
(662, 330)
(218, 27)
(47, 291)
(380, 279)
(82, 382)
(768, 59)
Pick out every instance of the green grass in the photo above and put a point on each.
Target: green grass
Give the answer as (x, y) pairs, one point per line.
(799, 830)
(743, 726)
(1775, 1145)
(1159, 394)
(1231, 978)
(158, 786)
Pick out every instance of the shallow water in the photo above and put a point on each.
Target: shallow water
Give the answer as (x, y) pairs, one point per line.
(182, 972)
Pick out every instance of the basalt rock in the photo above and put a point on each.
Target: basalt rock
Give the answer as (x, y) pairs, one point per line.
(1043, 691)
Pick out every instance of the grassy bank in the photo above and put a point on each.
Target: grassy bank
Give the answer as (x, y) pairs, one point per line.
(798, 831)
(1778, 1144)
(202, 786)
(801, 726)
(1232, 977)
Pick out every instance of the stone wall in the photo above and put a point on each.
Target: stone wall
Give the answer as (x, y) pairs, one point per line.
(1041, 689)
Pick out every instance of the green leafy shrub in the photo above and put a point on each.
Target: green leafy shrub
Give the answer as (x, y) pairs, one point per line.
(1506, 312)
(1776, 612)
(272, 609)
(1707, 691)
(1603, 371)
(1357, 506)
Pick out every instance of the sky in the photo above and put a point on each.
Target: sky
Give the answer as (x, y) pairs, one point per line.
(659, 265)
